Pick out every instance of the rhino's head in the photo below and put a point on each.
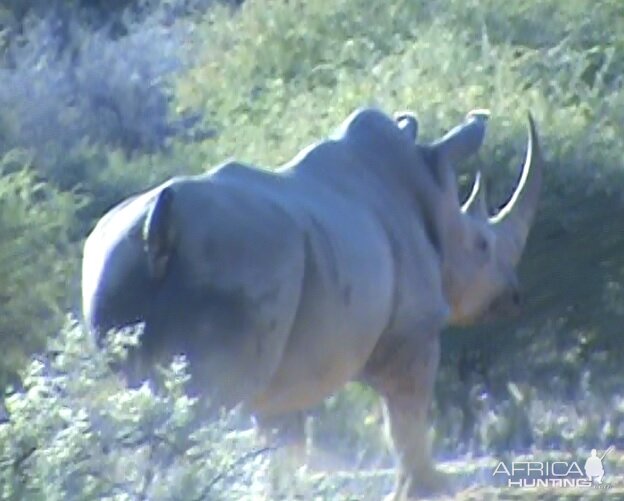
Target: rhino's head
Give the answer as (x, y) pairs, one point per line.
(480, 251)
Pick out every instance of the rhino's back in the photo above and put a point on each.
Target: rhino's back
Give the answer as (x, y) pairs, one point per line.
(347, 288)
(370, 265)
(371, 161)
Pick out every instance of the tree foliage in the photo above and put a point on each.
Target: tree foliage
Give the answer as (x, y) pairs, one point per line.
(37, 260)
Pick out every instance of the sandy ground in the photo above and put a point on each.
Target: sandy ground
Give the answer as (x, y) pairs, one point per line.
(474, 480)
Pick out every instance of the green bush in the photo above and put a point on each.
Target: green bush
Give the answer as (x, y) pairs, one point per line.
(37, 260)
(74, 432)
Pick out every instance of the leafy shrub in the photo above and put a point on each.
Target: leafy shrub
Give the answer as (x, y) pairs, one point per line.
(74, 432)
(37, 260)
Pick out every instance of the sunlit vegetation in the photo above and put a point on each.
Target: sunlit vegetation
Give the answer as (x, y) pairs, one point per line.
(99, 100)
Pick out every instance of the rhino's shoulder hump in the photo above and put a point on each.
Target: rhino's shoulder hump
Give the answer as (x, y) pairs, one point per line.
(370, 125)
(235, 170)
(361, 118)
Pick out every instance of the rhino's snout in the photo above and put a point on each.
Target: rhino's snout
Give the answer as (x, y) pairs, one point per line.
(513, 300)
(506, 305)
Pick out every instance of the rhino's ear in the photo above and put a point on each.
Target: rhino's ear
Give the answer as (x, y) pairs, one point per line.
(408, 123)
(158, 234)
(464, 140)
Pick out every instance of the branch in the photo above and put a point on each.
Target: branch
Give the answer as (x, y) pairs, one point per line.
(224, 474)
(149, 475)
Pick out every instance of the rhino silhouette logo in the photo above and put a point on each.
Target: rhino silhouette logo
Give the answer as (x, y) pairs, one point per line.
(593, 466)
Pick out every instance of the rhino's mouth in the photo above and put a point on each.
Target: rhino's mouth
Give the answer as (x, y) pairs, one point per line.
(506, 306)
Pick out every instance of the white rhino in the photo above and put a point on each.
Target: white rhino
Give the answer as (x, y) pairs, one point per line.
(344, 264)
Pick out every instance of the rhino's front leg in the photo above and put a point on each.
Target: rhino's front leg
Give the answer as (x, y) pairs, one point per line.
(403, 369)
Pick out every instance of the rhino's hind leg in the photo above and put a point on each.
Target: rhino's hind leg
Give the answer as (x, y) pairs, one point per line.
(403, 369)
(285, 435)
(284, 430)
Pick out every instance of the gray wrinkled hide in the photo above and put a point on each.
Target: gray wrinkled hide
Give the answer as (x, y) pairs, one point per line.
(344, 264)
(280, 284)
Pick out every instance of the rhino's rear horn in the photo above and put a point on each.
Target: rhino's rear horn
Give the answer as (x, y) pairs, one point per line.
(158, 234)
(408, 123)
(476, 204)
(464, 140)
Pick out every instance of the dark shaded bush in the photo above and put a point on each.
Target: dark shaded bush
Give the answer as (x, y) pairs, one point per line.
(102, 91)
(112, 14)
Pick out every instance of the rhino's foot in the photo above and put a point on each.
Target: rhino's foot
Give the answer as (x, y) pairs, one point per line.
(405, 378)
(286, 434)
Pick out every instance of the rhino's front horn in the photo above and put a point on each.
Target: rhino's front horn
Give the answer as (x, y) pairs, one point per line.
(514, 221)
(476, 204)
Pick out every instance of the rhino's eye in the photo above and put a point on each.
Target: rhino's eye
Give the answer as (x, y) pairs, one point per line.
(483, 245)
